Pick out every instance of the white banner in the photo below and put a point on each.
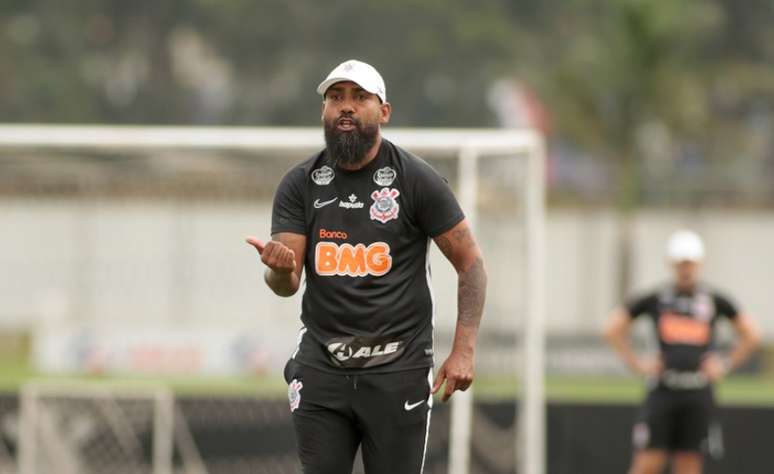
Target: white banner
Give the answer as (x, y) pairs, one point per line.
(158, 350)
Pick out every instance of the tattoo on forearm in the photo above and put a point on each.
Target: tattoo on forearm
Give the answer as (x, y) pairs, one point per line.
(462, 240)
(444, 244)
(464, 237)
(472, 294)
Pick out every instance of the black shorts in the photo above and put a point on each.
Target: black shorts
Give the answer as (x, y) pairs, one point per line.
(675, 420)
(388, 414)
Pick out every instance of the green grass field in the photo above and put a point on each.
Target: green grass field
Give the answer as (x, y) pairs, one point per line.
(737, 390)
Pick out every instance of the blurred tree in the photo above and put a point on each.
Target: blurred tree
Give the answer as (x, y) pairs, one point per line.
(618, 67)
(634, 82)
(245, 62)
(620, 76)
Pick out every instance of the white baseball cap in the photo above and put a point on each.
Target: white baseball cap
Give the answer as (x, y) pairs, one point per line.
(358, 72)
(685, 245)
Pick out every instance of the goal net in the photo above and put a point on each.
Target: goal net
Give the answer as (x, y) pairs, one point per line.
(85, 428)
(142, 265)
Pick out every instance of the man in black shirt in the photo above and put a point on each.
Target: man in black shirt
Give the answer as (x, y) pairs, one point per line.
(677, 412)
(358, 217)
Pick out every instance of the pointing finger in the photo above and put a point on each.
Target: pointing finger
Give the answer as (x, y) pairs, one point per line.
(259, 245)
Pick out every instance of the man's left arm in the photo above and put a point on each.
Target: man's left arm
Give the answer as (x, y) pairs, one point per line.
(460, 248)
(747, 342)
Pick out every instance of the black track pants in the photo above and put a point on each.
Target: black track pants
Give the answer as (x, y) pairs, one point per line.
(387, 413)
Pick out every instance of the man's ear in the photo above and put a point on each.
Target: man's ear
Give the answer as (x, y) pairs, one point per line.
(322, 110)
(386, 110)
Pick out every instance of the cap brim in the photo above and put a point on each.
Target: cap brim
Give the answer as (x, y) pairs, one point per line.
(686, 258)
(324, 85)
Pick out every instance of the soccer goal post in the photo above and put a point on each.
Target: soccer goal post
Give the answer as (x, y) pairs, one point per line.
(499, 176)
(74, 428)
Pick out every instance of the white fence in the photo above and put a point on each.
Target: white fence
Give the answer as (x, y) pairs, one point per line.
(187, 264)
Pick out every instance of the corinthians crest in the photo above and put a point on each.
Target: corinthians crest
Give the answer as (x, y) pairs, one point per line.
(385, 207)
(294, 394)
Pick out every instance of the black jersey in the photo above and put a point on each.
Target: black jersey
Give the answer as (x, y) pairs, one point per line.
(684, 322)
(367, 303)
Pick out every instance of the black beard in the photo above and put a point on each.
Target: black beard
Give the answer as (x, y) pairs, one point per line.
(349, 148)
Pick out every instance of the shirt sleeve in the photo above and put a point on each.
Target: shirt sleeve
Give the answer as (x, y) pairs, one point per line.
(288, 209)
(725, 307)
(638, 306)
(438, 209)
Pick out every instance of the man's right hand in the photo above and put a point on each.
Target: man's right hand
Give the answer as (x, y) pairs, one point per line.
(274, 255)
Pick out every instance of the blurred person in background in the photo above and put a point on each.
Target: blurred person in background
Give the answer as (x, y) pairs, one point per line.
(359, 216)
(677, 414)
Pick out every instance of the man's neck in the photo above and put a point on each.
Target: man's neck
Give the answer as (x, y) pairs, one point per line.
(370, 156)
(686, 287)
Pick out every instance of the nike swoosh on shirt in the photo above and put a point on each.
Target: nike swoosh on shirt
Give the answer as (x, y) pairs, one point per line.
(318, 204)
(410, 406)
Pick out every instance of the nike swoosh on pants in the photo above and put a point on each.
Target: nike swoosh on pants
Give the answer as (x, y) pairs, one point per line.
(410, 406)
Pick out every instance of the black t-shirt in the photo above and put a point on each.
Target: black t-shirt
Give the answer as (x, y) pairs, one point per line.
(367, 303)
(684, 322)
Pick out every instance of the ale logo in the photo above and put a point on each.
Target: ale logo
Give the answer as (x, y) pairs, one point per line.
(343, 352)
(332, 259)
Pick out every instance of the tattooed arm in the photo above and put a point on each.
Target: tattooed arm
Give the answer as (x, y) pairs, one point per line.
(460, 247)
